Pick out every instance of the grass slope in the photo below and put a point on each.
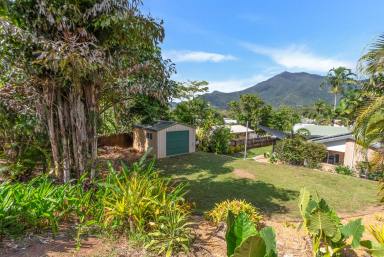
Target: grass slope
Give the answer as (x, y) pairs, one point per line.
(274, 190)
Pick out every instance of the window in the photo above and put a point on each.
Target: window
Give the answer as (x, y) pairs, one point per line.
(149, 136)
(333, 158)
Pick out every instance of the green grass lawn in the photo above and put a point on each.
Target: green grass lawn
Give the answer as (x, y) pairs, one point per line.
(254, 152)
(274, 190)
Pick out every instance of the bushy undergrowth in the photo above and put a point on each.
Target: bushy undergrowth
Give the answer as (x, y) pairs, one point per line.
(220, 212)
(297, 151)
(134, 201)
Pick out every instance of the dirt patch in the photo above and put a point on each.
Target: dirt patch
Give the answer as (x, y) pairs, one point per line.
(261, 159)
(243, 174)
(292, 241)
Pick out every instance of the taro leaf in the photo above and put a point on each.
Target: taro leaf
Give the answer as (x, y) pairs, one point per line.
(322, 221)
(304, 199)
(355, 229)
(230, 234)
(269, 237)
(241, 228)
(373, 248)
(253, 246)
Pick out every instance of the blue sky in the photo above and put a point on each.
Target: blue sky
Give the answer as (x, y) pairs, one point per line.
(236, 44)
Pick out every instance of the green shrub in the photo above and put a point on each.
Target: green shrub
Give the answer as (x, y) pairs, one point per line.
(314, 154)
(297, 151)
(220, 212)
(344, 170)
(329, 236)
(243, 238)
(220, 139)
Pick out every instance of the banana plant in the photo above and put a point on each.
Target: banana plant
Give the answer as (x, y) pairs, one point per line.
(244, 240)
(329, 236)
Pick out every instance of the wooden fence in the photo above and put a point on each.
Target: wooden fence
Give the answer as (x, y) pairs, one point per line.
(122, 140)
(254, 142)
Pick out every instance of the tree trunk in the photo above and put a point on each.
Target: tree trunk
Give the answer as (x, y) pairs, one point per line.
(61, 110)
(90, 96)
(335, 103)
(48, 92)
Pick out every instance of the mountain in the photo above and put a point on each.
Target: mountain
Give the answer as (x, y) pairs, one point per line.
(294, 89)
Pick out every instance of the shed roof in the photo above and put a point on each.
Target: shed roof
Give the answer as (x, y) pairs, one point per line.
(160, 125)
(157, 126)
(274, 132)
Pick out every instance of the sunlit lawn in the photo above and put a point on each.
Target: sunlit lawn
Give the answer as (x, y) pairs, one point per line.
(254, 151)
(274, 190)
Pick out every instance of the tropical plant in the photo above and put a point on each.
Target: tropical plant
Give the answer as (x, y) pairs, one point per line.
(138, 202)
(272, 157)
(336, 80)
(329, 236)
(375, 249)
(220, 212)
(244, 240)
(344, 170)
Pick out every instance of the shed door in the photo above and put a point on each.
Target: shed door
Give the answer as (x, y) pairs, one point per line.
(177, 142)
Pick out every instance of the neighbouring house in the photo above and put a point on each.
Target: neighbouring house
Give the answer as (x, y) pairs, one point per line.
(239, 131)
(343, 150)
(164, 138)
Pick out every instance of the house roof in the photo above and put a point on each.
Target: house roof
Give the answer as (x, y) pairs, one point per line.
(322, 131)
(333, 138)
(274, 132)
(158, 125)
(239, 129)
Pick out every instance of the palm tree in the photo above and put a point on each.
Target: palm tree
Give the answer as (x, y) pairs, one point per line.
(369, 126)
(336, 80)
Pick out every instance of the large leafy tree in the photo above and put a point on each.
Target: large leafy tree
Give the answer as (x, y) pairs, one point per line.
(336, 80)
(71, 59)
(284, 118)
(250, 108)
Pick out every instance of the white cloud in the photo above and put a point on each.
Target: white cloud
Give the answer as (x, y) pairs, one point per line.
(197, 56)
(298, 57)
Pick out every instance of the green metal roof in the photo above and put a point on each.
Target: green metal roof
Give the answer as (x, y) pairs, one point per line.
(324, 131)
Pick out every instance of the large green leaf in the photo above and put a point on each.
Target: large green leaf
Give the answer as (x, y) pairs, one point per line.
(305, 197)
(322, 222)
(375, 249)
(239, 230)
(230, 234)
(269, 237)
(253, 246)
(355, 229)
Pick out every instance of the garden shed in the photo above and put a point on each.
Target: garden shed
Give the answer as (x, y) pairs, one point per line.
(165, 138)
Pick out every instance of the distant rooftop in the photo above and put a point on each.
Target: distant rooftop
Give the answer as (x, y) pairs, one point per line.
(157, 126)
(322, 131)
(239, 129)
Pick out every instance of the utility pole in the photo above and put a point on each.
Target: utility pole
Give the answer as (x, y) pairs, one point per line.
(246, 142)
